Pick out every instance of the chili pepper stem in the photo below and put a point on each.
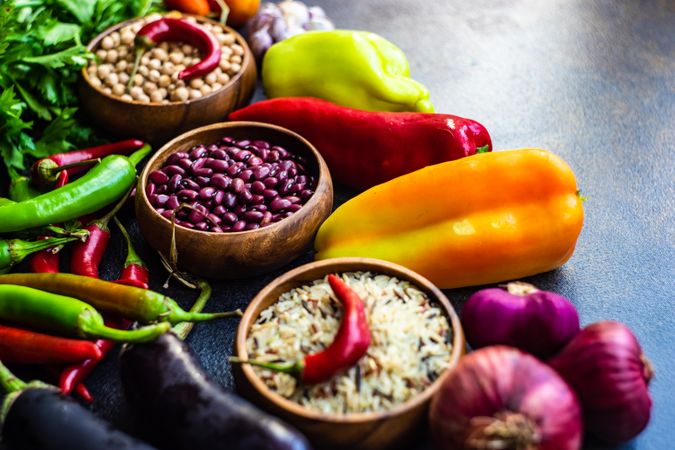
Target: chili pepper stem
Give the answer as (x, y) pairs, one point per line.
(187, 316)
(224, 11)
(19, 249)
(139, 154)
(137, 60)
(182, 329)
(90, 327)
(132, 255)
(10, 383)
(80, 234)
(293, 368)
(86, 162)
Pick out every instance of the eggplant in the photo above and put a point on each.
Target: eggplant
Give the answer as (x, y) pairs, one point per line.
(40, 418)
(178, 407)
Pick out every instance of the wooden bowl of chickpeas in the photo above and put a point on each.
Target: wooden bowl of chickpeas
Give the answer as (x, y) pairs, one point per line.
(158, 106)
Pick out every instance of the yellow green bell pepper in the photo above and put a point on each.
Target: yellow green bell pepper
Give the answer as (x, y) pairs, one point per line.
(356, 69)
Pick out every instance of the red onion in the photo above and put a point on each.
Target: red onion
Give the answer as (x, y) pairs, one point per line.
(501, 398)
(606, 367)
(538, 322)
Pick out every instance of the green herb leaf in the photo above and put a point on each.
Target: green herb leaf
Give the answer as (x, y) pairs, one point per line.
(60, 32)
(484, 149)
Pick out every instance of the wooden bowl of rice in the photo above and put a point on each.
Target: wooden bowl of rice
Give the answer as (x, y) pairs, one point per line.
(380, 403)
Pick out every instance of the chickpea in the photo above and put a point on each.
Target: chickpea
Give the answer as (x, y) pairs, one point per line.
(168, 68)
(164, 80)
(136, 92)
(181, 94)
(235, 59)
(187, 49)
(195, 94)
(156, 97)
(121, 66)
(118, 90)
(107, 43)
(144, 98)
(191, 19)
(95, 81)
(235, 68)
(155, 64)
(226, 39)
(91, 69)
(112, 79)
(226, 52)
(107, 90)
(138, 80)
(216, 86)
(127, 98)
(211, 78)
(225, 65)
(143, 70)
(104, 70)
(149, 87)
(116, 38)
(206, 89)
(176, 57)
(101, 54)
(164, 46)
(160, 54)
(145, 60)
(124, 78)
(154, 75)
(187, 61)
(237, 49)
(163, 92)
(127, 36)
(122, 52)
(196, 83)
(223, 78)
(112, 56)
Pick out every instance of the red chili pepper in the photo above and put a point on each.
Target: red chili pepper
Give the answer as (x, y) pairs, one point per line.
(170, 29)
(134, 272)
(21, 346)
(86, 256)
(365, 148)
(350, 344)
(47, 170)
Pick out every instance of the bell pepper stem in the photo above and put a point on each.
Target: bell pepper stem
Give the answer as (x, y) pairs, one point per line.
(293, 368)
(182, 329)
(139, 154)
(92, 328)
(10, 383)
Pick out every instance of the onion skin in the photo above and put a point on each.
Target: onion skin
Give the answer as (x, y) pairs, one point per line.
(498, 382)
(605, 365)
(521, 316)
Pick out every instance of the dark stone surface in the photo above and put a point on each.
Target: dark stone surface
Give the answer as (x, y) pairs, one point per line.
(593, 81)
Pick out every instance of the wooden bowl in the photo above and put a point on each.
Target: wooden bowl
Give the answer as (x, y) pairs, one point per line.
(159, 122)
(231, 255)
(361, 431)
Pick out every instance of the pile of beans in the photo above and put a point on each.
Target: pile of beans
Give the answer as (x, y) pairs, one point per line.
(230, 186)
(157, 78)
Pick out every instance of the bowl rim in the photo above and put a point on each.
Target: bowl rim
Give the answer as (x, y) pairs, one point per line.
(245, 62)
(323, 175)
(365, 264)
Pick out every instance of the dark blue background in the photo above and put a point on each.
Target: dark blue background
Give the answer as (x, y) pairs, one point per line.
(593, 81)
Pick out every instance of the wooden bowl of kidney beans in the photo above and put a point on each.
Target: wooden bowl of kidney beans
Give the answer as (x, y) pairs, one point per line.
(246, 198)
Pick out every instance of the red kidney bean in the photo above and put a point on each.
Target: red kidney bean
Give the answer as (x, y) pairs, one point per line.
(203, 181)
(221, 181)
(184, 164)
(238, 185)
(276, 217)
(212, 147)
(246, 196)
(274, 170)
(239, 226)
(267, 218)
(218, 197)
(168, 214)
(201, 226)
(282, 175)
(292, 199)
(283, 153)
(260, 144)
(228, 140)
(286, 164)
(189, 184)
(257, 199)
(158, 177)
(161, 199)
(207, 193)
(254, 161)
(270, 194)
(306, 194)
(297, 188)
(263, 153)
(174, 182)
(187, 194)
(257, 187)
(239, 210)
(185, 224)
(150, 189)
(229, 200)
(214, 219)
(233, 170)
(273, 156)
(253, 216)
(270, 182)
(260, 207)
(198, 164)
(219, 166)
(219, 210)
(219, 153)
(198, 152)
(172, 202)
(196, 216)
(216, 229)
(243, 143)
(230, 218)
(292, 172)
(173, 170)
(260, 172)
(203, 172)
(244, 155)
(252, 226)
(160, 210)
(174, 157)
(279, 204)
(295, 207)
(246, 175)
(163, 189)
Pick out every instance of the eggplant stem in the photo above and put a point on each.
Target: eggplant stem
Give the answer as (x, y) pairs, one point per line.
(507, 430)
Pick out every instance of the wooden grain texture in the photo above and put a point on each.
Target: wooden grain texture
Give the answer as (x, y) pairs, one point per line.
(243, 254)
(159, 122)
(362, 431)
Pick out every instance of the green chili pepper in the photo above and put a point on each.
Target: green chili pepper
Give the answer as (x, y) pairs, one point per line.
(356, 69)
(6, 201)
(126, 301)
(65, 315)
(13, 251)
(102, 185)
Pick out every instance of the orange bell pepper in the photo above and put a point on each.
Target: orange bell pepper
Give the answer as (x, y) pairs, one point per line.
(482, 219)
(240, 10)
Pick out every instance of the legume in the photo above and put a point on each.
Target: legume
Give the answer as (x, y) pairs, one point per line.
(230, 185)
(157, 77)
